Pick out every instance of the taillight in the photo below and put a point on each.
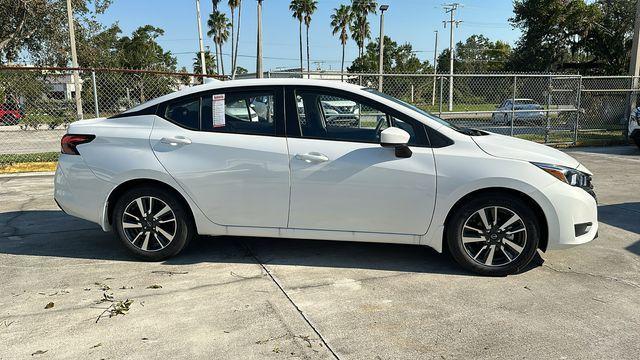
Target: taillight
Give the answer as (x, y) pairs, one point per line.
(69, 143)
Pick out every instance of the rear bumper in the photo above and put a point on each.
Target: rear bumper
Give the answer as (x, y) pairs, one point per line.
(77, 190)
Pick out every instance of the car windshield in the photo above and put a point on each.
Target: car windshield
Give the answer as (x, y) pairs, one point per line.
(414, 108)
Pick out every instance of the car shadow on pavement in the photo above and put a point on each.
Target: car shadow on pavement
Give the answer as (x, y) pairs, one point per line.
(54, 234)
(625, 216)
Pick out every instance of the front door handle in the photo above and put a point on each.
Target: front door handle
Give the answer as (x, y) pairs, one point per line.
(312, 157)
(175, 141)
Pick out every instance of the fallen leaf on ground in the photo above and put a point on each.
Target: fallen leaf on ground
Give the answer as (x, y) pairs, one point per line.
(39, 352)
(96, 345)
(49, 305)
(103, 287)
(155, 286)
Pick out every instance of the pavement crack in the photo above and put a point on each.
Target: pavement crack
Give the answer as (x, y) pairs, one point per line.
(284, 292)
(604, 277)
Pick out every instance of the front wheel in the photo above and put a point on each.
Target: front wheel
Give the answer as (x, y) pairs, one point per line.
(637, 141)
(152, 223)
(493, 235)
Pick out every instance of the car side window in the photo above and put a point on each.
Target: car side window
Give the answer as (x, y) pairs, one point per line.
(332, 117)
(185, 113)
(242, 113)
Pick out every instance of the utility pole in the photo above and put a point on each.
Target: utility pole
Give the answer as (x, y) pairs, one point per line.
(383, 8)
(451, 9)
(74, 62)
(259, 74)
(435, 70)
(634, 66)
(203, 65)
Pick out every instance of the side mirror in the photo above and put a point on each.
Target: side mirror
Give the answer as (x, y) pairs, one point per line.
(396, 138)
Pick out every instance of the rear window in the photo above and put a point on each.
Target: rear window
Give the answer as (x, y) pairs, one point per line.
(185, 113)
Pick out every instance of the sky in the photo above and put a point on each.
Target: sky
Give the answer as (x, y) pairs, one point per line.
(412, 21)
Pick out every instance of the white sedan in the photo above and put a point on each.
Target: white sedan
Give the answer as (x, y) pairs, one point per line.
(198, 162)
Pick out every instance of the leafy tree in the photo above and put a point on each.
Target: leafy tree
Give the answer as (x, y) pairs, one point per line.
(397, 59)
(340, 20)
(477, 54)
(40, 28)
(590, 37)
(141, 51)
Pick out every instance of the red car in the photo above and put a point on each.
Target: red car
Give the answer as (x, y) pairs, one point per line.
(10, 114)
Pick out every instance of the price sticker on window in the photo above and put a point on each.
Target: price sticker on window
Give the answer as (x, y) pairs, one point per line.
(217, 108)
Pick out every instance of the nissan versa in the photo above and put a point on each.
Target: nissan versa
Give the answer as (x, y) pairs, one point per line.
(264, 158)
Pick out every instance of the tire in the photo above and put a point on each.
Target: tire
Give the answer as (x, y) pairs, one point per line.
(637, 141)
(467, 237)
(166, 237)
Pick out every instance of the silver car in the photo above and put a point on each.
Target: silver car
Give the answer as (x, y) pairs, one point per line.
(527, 110)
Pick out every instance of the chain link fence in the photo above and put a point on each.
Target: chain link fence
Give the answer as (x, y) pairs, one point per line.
(37, 104)
(552, 109)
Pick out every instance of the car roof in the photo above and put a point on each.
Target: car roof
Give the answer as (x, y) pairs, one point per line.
(231, 84)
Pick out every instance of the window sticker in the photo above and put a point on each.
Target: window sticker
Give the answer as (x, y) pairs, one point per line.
(218, 110)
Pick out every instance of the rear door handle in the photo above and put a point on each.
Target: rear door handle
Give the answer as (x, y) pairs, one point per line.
(175, 141)
(315, 157)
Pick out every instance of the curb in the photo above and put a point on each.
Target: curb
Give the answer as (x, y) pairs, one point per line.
(27, 174)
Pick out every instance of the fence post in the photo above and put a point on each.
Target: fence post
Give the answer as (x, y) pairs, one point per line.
(412, 101)
(548, 114)
(95, 93)
(513, 101)
(578, 105)
(440, 100)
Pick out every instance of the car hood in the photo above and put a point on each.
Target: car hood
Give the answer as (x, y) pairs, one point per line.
(519, 149)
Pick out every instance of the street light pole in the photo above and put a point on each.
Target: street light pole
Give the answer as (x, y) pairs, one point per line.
(451, 9)
(259, 74)
(74, 62)
(383, 8)
(203, 65)
(435, 70)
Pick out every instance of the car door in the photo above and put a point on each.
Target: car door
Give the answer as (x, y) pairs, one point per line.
(342, 179)
(232, 161)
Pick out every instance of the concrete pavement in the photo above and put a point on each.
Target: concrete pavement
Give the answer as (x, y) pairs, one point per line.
(255, 298)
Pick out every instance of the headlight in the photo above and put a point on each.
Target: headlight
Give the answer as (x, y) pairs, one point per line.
(568, 175)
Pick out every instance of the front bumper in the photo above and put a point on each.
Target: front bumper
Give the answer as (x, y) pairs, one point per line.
(572, 215)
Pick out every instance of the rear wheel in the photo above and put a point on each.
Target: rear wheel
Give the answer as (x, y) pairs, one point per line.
(152, 223)
(493, 235)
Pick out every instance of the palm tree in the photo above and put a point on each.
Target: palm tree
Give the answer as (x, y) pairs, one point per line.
(340, 20)
(219, 29)
(208, 59)
(309, 6)
(235, 53)
(233, 4)
(297, 11)
(358, 34)
(360, 27)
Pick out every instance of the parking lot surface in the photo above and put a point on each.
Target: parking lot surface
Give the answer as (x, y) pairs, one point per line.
(260, 298)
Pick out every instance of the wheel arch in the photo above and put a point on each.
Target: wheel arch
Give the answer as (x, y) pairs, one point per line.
(140, 182)
(537, 209)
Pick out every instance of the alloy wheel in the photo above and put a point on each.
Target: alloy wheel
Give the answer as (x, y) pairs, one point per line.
(494, 236)
(149, 223)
